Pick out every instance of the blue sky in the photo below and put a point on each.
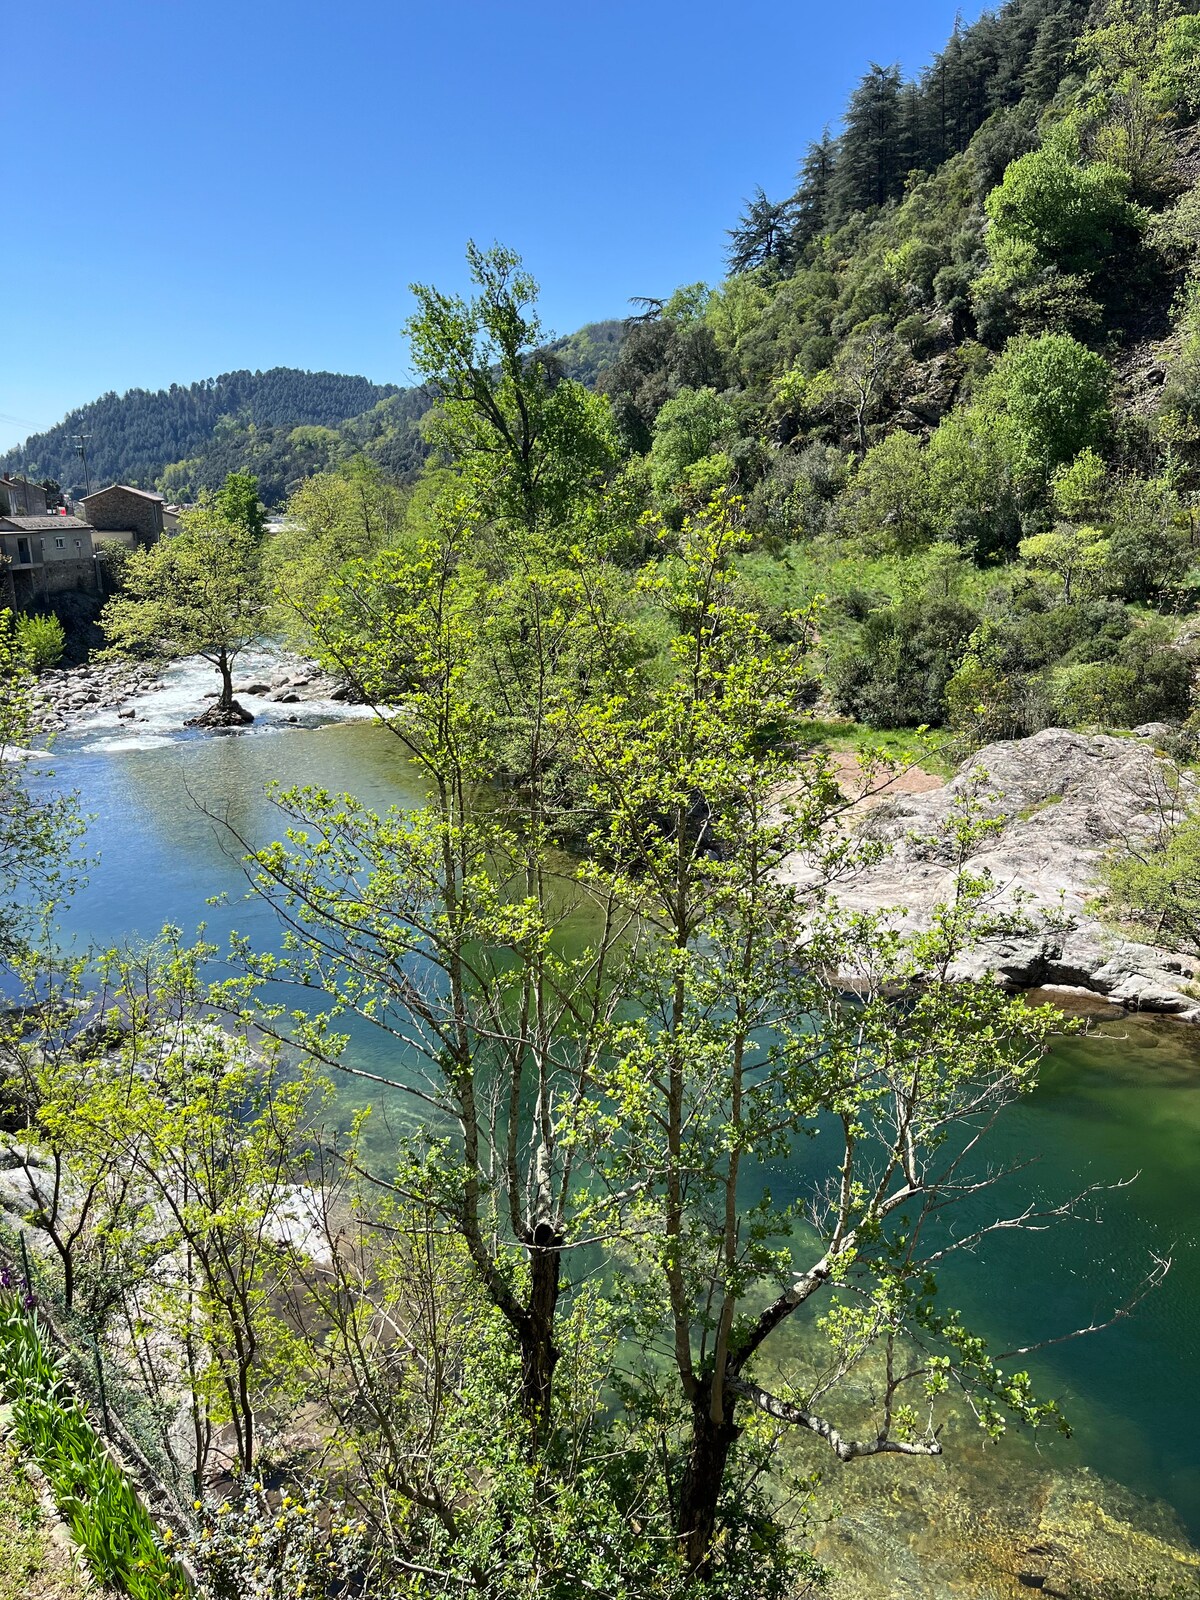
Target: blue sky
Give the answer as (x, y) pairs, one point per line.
(206, 186)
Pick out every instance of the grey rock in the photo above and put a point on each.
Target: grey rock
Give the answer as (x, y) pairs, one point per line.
(1061, 800)
(231, 716)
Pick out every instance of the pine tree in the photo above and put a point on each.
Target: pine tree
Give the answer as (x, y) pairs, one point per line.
(870, 167)
(810, 203)
(763, 235)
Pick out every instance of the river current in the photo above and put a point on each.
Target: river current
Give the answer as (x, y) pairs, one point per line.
(1122, 1103)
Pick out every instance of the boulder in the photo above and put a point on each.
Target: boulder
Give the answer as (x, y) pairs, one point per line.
(1060, 800)
(218, 716)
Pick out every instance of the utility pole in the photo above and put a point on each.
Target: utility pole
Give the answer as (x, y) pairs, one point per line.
(81, 444)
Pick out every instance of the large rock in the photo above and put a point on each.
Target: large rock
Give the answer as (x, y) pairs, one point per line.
(234, 715)
(1061, 800)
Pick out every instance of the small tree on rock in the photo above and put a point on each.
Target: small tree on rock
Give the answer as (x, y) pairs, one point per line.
(200, 593)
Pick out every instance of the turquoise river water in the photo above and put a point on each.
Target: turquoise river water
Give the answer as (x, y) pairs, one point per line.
(1123, 1102)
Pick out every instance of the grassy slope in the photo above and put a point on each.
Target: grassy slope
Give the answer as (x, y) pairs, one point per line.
(32, 1567)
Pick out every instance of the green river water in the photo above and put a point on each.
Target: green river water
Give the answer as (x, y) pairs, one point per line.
(1122, 1102)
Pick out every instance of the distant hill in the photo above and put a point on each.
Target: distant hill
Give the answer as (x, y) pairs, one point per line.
(136, 436)
(282, 425)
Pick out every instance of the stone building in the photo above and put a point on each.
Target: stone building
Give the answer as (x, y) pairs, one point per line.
(121, 510)
(41, 557)
(20, 498)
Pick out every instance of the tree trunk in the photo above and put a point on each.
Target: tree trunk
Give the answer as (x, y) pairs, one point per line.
(226, 670)
(703, 1476)
(539, 1353)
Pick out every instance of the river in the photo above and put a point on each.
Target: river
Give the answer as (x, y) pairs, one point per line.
(1122, 1103)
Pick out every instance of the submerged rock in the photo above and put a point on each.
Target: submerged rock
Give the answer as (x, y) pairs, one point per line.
(997, 1527)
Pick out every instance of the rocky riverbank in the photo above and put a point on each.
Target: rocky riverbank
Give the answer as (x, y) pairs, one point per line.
(67, 698)
(63, 697)
(1060, 800)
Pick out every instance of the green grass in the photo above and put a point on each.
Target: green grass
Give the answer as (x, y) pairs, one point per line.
(31, 1567)
(906, 747)
(95, 1499)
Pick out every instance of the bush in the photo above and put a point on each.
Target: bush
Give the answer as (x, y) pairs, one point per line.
(1148, 553)
(41, 640)
(1056, 395)
(894, 675)
(690, 428)
(889, 505)
(1083, 631)
(1156, 884)
(1175, 79)
(1073, 216)
(1147, 681)
(255, 1546)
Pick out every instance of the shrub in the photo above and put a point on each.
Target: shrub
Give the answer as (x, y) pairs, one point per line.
(1156, 883)
(1076, 555)
(1175, 79)
(889, 505)
(1089, 630)
(255, 1546)
(894, 675)
(41, 640)
(1146, 681)
(1148, 553)
(1072, 215)
(1056, 394)
(985, 700)
(690, 428)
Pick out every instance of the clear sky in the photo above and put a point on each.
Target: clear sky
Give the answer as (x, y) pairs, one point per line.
(192, 186)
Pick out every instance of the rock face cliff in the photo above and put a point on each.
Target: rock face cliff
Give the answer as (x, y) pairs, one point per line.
(1064, 799)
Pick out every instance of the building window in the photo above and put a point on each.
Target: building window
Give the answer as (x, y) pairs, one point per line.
(60, 544)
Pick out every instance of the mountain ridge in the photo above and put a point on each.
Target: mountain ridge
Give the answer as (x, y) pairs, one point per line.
(282, 424)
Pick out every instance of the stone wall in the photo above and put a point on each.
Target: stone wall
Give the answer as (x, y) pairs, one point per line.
(33, 587)
(20, 498)
(118, 507)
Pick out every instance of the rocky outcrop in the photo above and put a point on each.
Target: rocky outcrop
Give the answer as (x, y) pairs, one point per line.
(234, 715)
(294, 681)
(1060, 801)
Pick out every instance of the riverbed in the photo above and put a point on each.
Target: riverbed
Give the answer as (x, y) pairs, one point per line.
(1122, 1103)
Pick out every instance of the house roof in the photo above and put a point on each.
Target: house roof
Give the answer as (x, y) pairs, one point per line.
(146, 494)
(44, 524)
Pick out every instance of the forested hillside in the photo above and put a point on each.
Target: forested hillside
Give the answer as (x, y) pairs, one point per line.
(283, 425)
(134, 436)
(956, 378)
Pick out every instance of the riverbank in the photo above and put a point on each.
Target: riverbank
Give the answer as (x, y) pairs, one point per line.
(100, 694)
(1055, 804)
